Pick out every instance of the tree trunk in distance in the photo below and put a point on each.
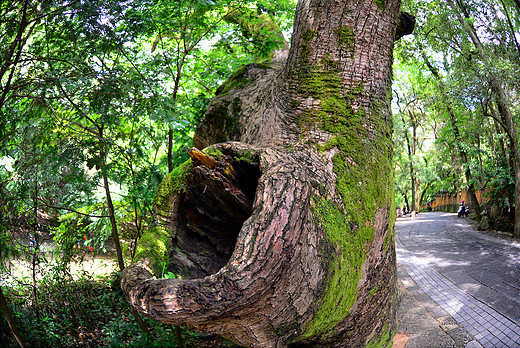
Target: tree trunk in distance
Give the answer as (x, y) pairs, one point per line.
(10, 320)
(115, 236)
(406, 202)
(463, 155)
(423, 193)
(411, 146)
(517, 3)
(503, 109)
(301, 150)
(113, 223)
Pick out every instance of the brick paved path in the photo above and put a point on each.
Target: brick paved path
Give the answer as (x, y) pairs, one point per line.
(472, 276)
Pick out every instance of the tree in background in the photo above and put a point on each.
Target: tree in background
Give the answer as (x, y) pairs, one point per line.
(470, 52)
(7, 252)
(87, 89)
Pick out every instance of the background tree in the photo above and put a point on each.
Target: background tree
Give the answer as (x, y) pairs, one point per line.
(6, 252)
(466, 49)
(86, 95)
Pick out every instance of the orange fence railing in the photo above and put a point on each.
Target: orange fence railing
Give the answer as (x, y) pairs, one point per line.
(449, 201)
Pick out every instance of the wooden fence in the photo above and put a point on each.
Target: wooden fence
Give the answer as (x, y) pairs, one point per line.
(450, 201)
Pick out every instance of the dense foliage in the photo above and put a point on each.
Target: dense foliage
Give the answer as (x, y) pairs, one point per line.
(456, 101)
(84, 312)
(98, 101)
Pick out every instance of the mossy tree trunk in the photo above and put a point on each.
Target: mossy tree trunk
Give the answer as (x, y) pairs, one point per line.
(283, 229)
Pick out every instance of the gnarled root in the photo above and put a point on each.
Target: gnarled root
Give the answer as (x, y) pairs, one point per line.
(271, 274)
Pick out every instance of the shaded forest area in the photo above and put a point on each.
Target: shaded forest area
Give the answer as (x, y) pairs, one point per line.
(99, 101)
(456, 109)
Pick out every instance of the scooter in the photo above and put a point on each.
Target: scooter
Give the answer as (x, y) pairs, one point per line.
(462, 211)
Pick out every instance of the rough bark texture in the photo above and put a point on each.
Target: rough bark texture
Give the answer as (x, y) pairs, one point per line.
(284, 236)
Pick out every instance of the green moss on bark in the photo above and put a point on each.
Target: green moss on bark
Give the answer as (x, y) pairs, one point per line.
(381, 4)
(172, 183)
(344, 266)
(154, 246)
(364, 182)
(345, 37)
(154, 243)
(382, 340)
(238, 79)
(246, 156)
(214, 152)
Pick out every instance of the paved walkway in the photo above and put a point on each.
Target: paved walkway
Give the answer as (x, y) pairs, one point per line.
(462, 286)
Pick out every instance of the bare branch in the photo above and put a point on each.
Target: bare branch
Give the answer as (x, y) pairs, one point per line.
(69, 209)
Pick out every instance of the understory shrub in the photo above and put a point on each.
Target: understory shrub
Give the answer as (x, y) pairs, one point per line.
(82, 312)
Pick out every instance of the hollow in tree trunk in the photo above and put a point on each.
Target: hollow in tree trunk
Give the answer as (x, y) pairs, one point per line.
(282, 228)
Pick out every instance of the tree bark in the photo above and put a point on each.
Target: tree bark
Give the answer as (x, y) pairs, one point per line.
(283, 230)
(112, 217)
(517, 3)
(411, 148)
(10, 320)
(406, 202)
(423, 193)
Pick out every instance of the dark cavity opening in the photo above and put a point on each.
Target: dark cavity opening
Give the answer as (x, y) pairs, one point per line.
(216, 203)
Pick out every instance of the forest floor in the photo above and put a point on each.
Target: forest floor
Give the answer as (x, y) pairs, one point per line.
(98, 270)
(94, 265)
(84, 262)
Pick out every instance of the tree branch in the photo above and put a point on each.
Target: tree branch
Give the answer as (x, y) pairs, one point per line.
(485, 113)
(138, 71)
(69, 209)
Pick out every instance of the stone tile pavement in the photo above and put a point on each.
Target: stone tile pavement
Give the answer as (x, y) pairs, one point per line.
(462, 287)
(423, 323)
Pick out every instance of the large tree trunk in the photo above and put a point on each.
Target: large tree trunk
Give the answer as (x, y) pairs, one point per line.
(284, 234)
